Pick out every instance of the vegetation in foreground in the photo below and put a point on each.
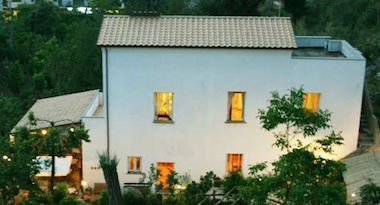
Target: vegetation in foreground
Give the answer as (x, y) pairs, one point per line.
(299, 176)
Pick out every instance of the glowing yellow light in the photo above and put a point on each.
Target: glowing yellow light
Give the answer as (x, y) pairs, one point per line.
(44, 132)
(5, 157)
(353, 195)
(11, 138)
(9, 159)
(72, 129)
(84, 183)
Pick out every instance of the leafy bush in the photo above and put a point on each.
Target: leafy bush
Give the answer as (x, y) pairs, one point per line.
(104, 199)
(130, 199)
(195, 192)
(69, 201)
(60, 192)
(370, 194)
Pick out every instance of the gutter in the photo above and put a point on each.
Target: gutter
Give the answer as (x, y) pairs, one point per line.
(107, 104)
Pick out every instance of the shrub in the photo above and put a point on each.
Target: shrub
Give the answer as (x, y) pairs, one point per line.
(370, 194)
(103, 200)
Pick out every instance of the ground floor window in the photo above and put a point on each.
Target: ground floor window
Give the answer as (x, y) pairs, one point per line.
(234, 162)
(134, 164)
(165, 169)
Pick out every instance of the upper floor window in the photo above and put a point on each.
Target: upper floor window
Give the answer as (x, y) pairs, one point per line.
(134, 164)
(163, 103)
(235, 107)
(311, 101)
(234, 162)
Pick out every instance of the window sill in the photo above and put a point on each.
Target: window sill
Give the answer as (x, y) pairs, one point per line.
(235, 122)
(163, 121)
(134, 172)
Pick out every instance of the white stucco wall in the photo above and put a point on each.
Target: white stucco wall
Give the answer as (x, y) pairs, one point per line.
(199, 139)
(97, 132)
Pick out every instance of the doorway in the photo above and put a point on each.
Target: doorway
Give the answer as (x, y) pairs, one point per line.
(166, 169)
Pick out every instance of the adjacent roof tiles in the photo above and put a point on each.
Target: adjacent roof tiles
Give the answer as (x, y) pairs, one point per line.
(197, 31)
(64, 109)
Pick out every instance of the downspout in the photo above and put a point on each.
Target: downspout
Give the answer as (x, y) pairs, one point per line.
(107, 105)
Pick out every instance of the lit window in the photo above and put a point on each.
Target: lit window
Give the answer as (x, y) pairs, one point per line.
(165, 168)
(163, 106)
(235, 106)
(234, 162)
(311, 102)
(134, 164)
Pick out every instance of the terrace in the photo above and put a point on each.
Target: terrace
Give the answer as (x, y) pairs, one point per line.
(326, 48)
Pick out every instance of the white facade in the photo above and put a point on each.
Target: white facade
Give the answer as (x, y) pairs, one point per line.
(200, 78)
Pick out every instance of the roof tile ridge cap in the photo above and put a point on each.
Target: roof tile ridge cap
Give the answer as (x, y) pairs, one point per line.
(65, 95)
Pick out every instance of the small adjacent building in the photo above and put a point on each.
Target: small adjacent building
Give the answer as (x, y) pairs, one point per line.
(65, 111)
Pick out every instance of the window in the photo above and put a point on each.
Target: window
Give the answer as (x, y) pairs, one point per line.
(134, 165)
(166, 168)
(235, 107)
(311, 101)
(163, 102)
(234, 162)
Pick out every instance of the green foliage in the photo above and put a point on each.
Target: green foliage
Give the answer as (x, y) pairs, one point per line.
(10, 113)
(104, 198)
(40, 20)
(60, 196)
(60, 192)
(17, 164)
(298, 177)
(233, 180)
(153, 175)
(103, 6)
(195, 192)
(297, 8)
(172, 181)
(370, 194)
(287, 111)
(227, 7)
(60, 140)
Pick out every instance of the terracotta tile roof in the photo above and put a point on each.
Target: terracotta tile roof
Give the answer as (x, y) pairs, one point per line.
(69, 108)
(197, 31)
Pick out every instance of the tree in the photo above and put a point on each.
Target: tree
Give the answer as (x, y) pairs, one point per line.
(370, 194)
(58, 141)
(18, 164)
(10, 109)
(297, 8)
(109, 167)
(299, 176)
(227, 7)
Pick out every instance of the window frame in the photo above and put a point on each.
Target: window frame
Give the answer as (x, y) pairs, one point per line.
(155, 120)
(241, 164)
(318, 104)
(134, 171)
(229, 103)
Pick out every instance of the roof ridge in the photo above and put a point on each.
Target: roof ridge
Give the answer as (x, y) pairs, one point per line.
(64, 95)
(197, 16)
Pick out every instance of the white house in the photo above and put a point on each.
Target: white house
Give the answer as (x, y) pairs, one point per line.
(183, 92)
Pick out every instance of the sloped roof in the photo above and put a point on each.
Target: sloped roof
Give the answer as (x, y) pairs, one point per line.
(197, 31)
(64, 109)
